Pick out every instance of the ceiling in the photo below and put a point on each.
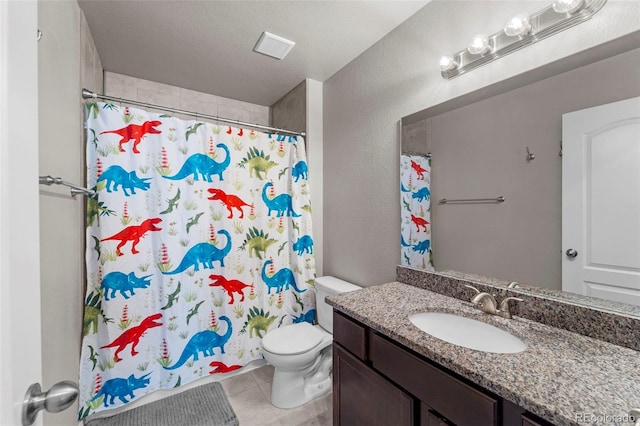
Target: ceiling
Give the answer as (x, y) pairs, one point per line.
(207, 46)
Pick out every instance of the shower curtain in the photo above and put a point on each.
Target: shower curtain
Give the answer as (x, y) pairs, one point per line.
(415, 211)
(198, 244)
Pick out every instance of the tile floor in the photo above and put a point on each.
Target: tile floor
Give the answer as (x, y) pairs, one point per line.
(250, 396)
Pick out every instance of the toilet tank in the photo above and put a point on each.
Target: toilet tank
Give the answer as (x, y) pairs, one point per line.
(326, 286)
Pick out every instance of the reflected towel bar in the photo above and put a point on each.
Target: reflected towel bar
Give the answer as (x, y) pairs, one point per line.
(499, 199)
(75, 189)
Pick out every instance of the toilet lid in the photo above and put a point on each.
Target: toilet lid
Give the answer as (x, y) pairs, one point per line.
(292, 339)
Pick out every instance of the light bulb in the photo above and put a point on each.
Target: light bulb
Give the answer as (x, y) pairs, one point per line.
(567, 6)
(479, 44)
(518, 25)
(447, 63)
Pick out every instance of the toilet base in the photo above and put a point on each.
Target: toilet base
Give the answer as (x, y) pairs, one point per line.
(292, 389)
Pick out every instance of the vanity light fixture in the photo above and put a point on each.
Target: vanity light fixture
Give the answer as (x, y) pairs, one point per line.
(479, 45)
(518, 25)
(447, 63)
(567, 6)
(522, 30)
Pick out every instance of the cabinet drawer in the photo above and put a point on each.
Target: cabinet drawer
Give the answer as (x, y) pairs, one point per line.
(457, 401)
(350, 335)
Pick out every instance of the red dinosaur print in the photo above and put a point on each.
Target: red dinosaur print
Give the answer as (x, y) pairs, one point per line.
(419, 222)
(221, 367)
(135, 132)
(231, 201)
(133, 336)
(230, 286)
(134, 233)
(418, 168)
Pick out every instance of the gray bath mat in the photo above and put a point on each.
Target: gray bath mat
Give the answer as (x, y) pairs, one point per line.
(205, 405)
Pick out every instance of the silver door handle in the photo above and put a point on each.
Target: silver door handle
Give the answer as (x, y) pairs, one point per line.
(571, 253)
(58, 398)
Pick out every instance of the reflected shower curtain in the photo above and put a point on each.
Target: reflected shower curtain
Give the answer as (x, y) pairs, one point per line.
(198, 244)
(415, 211)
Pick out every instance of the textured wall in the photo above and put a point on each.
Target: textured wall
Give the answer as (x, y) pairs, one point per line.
(520, 239)
(137, 89)
(398, 76)
(67, 61)
(290, 110)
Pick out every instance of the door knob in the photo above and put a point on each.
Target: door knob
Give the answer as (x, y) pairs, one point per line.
(571, 253)
(58, 398)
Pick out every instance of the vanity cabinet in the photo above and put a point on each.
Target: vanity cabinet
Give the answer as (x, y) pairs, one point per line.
(376, 381)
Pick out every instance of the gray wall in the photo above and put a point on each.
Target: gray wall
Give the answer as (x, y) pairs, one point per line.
(67, 61)
(396, 77)
(289, 112)
(138, 89)
(480, 151)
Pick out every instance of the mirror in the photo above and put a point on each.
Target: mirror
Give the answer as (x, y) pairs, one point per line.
(505, 141)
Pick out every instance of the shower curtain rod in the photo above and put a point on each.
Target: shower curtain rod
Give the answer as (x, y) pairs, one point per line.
(88, 94)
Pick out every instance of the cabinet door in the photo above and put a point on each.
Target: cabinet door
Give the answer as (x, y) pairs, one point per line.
(459, 402)
(362, 397)
(431, 418)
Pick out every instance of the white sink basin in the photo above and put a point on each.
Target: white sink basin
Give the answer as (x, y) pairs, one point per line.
(467, 332)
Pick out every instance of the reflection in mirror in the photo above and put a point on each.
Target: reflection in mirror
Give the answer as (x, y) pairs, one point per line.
(480, 146)
(415, 231)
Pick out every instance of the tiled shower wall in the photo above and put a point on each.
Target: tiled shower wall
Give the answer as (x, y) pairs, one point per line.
(137, 89)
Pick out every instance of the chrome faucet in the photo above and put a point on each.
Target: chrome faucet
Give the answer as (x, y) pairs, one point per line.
(488, 304)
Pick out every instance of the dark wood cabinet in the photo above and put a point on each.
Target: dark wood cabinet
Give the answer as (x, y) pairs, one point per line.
(363, 397)
(377, 381)
(429, 417)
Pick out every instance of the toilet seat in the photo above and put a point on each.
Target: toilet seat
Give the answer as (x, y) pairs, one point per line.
(293, 339)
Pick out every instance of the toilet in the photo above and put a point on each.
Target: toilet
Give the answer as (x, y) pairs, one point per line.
(301, 353)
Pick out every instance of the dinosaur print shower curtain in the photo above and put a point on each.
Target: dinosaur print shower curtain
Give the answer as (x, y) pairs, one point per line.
(198, 244)
(415, 211)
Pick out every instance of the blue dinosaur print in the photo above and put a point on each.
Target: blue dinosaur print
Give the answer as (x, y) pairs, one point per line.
(121, 388)
(309, 317)
(403, 189)
(282, 204)
(117, 176)
(204, 341)
(205, 253)
(117, 281)
(201, 164)
(281, 280)
(304, 244)
(403, 243)
(300, 170)
(422, 246)
(422, 194)
(281, 138)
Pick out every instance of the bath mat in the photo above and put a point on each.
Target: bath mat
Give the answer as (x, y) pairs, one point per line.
(205, 405)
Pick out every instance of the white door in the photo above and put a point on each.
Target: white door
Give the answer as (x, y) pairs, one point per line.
(601, 201)
(20, 348)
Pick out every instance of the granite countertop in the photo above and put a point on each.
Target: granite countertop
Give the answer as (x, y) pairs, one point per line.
(559, 377)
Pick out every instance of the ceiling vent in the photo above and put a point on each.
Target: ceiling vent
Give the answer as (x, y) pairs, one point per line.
(273, 45)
